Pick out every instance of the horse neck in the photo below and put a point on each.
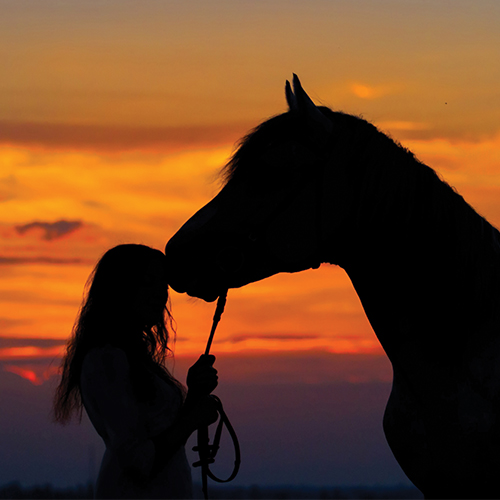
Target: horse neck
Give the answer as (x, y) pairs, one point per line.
(406, 238)
(375, 201)
(364, 206)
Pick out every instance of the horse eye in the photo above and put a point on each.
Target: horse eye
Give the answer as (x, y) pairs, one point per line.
(253, 237)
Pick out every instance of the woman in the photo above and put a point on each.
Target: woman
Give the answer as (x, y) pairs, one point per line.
(114, 367)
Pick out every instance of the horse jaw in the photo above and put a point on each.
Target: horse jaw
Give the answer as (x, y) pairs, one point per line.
(211, 253)
(207, 254)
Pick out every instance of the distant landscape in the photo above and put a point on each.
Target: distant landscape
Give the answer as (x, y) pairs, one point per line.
(15, 491)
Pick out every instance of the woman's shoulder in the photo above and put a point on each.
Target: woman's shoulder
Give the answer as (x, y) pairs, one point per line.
(109, 360)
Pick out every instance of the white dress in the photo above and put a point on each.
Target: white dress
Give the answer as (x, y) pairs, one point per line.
(127, 425)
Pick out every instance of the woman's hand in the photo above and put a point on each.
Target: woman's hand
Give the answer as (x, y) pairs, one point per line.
(205, 411)
(201, 381)
(202, 377)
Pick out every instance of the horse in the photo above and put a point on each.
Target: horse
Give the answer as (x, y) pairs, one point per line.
(312, 186)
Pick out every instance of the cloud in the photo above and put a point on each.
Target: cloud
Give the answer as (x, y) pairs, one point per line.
(6, 323)
(364, 91)
(301, 366)
(67, 136)
(35, 373)
(35, 359)
(43, 356)
(271, 336)
(51, 230)
(7, 342)
(401, 125)
(25, 373)
(30, 352)
(44, 260)
(64, 242)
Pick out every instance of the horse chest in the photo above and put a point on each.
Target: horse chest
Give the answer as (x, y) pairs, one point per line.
(443, 439)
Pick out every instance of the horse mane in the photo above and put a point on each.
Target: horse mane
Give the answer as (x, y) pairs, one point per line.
(276, 130)
(392, 190)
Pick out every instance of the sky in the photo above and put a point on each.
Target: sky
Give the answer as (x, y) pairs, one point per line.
(116, 117)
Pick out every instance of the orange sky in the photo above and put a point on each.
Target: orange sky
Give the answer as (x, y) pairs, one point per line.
(116, 117)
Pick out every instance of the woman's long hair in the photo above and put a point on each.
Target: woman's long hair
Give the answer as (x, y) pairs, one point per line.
(108, 315)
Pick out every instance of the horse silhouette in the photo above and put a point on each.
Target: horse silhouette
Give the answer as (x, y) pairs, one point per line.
(314, 186)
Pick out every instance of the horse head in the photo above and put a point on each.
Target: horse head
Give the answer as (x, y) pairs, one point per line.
(268, 217)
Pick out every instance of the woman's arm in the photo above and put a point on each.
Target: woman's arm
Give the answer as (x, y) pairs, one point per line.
(194, 414)
(199, 410)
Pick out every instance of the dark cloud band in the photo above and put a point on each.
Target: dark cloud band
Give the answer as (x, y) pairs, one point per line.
(117, 138)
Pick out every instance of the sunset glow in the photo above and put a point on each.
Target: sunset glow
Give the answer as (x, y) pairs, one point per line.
(116, 118)
(34, 373)
(58, 220)
(102, 143)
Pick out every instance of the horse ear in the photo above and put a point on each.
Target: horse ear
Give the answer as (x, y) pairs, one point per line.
(290, 98)
(299, 102)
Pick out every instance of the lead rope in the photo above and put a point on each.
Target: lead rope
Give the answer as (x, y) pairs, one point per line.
(207, 451)
(221, 304)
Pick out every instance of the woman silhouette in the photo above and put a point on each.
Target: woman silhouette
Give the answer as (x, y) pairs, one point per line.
(114, 368)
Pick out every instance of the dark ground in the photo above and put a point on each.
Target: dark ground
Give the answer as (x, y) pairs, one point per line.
(15, 490)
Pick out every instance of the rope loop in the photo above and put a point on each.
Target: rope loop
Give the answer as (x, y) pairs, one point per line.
(208, 452)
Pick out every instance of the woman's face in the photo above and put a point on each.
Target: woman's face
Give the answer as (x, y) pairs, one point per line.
(152, 292)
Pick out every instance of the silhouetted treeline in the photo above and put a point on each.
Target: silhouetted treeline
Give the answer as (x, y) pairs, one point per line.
(216, 492)
(14, 490)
